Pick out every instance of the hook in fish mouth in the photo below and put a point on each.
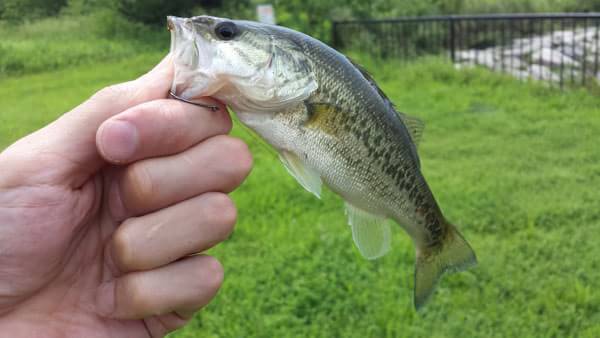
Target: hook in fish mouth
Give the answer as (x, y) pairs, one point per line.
(212, 108)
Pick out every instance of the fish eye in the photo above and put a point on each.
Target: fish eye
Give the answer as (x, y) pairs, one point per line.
(226, 30)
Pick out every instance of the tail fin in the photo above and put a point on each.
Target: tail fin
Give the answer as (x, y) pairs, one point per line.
(453, 254)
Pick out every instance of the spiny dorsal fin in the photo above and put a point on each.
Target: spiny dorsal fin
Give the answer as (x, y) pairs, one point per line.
(371, 80)
(414, 125)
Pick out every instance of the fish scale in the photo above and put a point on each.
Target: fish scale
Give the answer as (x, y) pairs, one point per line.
(331, 125)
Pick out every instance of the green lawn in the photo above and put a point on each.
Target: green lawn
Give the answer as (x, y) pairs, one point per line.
(515, 166)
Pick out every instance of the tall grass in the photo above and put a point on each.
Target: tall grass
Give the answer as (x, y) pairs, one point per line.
(67, 41)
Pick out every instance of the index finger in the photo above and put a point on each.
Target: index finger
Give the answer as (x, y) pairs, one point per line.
(159, 128)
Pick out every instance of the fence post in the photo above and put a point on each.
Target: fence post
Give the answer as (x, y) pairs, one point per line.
(334, 37)
(452, 39)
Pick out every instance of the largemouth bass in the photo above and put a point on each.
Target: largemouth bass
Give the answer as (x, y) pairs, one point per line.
(330, 124)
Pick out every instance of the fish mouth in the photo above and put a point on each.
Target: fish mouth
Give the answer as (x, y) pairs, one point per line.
(181, 32)
(189, 30)
(170, 23)
(192, 57)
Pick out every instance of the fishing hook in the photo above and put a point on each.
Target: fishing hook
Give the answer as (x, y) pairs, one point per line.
(212, 108)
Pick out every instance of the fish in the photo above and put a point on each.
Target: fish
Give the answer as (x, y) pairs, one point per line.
(331, 125)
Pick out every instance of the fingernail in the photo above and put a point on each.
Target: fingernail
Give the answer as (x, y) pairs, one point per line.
(118, 140)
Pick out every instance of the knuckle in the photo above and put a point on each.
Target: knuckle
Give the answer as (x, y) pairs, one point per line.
(138, 185)
(170, 114)
(112, 92)
(141, 111)
(168, 125)
(174, 124)
(122, 249)
(136, 294)
(10, 176)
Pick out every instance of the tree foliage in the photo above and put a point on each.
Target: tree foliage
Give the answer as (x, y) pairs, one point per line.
(154, 11)
(310, 16)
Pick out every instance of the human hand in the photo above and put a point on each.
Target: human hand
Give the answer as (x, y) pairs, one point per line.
(101, 210)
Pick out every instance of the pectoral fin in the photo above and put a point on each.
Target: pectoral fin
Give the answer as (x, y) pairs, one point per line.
(304, 174)
(371, 234)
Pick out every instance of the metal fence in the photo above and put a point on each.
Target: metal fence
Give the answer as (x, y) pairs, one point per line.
(563, 49)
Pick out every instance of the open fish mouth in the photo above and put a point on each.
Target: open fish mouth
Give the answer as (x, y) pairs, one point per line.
(182, 40)
(192, 55)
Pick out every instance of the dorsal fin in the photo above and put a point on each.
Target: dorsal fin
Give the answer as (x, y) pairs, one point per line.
(414, 125)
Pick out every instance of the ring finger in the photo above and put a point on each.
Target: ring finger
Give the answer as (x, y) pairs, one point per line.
(154, 240)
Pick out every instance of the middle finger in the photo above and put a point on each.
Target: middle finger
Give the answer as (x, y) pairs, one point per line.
(218, 164)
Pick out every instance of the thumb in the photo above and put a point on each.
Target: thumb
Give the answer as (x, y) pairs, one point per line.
(67, 146)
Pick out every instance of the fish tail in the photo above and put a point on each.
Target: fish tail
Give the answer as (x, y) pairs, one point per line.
(451, 254)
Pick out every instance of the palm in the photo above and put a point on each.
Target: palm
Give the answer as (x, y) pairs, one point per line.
(61, 272)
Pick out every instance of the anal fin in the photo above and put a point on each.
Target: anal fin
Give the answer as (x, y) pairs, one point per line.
(371, 233)
(308, 178)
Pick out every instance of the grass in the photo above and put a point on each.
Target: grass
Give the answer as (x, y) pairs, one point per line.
(514, 165)
(60, 42)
